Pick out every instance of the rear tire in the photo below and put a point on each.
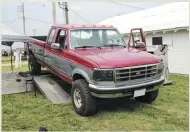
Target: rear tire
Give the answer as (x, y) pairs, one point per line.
(149, 97)
(83, 103)
(34, 66)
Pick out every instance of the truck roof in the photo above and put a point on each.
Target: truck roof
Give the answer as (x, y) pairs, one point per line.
(72, 26)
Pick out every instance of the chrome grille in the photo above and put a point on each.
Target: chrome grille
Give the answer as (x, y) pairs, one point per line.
(137, 72)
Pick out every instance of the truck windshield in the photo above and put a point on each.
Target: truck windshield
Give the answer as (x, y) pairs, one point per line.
(84, 38)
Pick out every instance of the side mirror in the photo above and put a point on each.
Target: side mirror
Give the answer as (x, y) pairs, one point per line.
(140, 45)
(55, 46)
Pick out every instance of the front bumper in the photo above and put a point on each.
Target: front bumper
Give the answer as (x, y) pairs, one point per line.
(115, 92)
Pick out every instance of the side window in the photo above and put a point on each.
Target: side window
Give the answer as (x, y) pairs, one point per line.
(61, 38)
(51, 36)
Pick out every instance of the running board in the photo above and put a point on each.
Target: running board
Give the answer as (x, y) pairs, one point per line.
(51, 89)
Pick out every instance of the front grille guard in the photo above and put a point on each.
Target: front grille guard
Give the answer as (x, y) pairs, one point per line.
(138, 81)
(126, 74)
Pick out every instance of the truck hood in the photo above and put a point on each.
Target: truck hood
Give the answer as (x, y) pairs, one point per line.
(118, 57)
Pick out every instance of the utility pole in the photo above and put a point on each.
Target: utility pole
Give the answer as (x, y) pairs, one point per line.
(64, 7)
(54, 12)
(23, 17)
(66, 13)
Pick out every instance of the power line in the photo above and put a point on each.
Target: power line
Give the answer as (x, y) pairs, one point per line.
(41, 9)
(11, 20)
(38, 20)
(33, 5)
(80, 16)
(120, 14)
(127, 5)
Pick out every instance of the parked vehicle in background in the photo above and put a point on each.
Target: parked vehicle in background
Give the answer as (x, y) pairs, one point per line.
(4, 53)
(98, 63)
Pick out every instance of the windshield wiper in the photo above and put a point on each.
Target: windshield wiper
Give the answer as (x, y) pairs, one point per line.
(112, 45)
(87, 47)
(84, 47)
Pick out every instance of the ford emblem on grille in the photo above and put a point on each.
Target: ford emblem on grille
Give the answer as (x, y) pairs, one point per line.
(138, 73)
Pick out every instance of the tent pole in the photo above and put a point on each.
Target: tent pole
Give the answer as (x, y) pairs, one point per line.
(11, 59)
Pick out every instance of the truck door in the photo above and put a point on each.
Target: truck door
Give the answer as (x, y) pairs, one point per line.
(60, 62)
(48, 55)
(137, 39)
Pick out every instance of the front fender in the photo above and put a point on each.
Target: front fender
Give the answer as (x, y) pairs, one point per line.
(86, 73)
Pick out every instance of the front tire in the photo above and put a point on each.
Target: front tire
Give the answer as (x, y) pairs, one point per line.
(34, 66)
(149, 97)
(83, 103)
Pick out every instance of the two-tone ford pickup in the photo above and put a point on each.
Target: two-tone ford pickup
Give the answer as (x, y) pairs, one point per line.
(98, 63)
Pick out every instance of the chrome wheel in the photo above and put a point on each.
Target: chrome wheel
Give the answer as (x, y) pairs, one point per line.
(77, 98)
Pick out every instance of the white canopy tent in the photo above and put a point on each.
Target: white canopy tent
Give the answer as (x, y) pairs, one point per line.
(169, 16)
(7, 35)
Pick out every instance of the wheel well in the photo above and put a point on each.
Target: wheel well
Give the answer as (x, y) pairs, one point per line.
(77, 76)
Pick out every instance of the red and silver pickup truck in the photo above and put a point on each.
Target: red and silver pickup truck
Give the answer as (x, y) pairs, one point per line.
(98, 63)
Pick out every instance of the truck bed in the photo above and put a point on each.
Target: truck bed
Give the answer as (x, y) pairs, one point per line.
(41, 38)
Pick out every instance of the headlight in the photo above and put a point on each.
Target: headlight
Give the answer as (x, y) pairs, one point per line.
(160, 67)
(103, 75)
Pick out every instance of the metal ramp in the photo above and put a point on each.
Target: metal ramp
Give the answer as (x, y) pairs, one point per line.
(48, 85)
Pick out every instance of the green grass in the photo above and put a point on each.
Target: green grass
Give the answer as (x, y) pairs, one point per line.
(22, 69)
(7, 60)
(168, 113)
(3, 58)
(8, 68)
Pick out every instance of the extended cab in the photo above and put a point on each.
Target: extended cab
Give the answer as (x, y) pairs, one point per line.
(98, 63)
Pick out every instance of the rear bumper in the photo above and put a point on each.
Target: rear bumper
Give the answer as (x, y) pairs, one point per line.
(115, 92)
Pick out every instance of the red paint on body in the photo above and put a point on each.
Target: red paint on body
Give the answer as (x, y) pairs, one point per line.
(118, 57)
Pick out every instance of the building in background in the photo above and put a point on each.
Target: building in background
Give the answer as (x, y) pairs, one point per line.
(169, 23)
